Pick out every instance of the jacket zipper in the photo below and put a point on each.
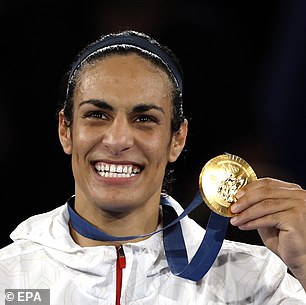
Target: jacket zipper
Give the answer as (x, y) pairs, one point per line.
(121, 263)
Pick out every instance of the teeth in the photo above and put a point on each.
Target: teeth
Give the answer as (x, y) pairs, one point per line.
(136, 170)
(116, 170)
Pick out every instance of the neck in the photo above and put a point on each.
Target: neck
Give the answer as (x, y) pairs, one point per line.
(87, 242)
(132, 223)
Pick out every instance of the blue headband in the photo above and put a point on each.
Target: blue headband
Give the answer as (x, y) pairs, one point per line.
(136, 41)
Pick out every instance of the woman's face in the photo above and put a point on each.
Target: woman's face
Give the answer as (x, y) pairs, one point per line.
(120, 139)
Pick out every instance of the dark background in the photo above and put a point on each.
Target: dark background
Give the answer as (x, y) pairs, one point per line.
(244, 64)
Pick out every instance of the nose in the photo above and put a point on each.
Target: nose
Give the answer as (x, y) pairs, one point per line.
(118, 137)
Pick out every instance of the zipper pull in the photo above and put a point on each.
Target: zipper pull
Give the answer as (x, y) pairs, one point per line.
(121, 257)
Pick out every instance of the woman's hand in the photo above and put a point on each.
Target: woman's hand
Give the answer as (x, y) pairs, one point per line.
(277, 209)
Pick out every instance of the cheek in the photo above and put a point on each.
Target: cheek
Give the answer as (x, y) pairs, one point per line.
(158, 148)
(82, 141)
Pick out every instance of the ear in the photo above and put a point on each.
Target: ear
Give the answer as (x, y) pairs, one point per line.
(64, 133)
(178, 141)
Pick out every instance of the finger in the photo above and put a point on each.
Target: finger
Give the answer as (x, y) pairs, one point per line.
(267, 190)
(267, 182)
(265, 209)
(267, 213)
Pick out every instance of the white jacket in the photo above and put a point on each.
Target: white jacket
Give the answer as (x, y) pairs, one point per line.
(43, 255)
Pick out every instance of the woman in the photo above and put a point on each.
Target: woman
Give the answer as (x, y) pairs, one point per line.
(121, 120)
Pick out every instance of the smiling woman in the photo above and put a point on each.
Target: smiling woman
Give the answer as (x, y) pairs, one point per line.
(118, 237)
(122, 110)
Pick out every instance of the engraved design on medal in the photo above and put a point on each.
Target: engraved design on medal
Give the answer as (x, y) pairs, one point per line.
(220, 180)
(228, 189)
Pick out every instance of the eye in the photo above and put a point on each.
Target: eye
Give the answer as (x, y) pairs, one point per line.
(144, 118)
(95, 115)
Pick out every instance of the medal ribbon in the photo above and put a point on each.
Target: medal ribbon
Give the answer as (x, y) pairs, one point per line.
(173, 238)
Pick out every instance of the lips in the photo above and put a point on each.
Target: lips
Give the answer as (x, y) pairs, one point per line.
(116, 170)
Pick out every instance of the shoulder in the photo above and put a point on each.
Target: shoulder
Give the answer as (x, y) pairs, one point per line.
(255, 272)
(256, 257)
(34, 232)
(17, 249)
(36, 226)
(246, 261)
(234, 247)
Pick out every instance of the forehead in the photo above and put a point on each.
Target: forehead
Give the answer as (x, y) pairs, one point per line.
(124, 74)
(125, 64)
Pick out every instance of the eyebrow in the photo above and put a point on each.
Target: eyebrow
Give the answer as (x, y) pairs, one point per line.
(146, 107)
(98, 103)
(142, 107)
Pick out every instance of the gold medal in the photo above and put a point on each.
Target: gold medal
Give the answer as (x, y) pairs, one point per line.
(221, 178)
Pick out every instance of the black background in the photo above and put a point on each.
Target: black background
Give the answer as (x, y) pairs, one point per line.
(244, 64)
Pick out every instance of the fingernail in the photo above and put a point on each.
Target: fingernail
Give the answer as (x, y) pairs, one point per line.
(239, 194)
(234, 220)
(234, 208)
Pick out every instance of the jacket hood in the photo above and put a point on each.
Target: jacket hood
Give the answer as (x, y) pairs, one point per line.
(48, 229)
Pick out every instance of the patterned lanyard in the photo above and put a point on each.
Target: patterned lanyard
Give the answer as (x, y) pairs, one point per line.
(173, 239)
